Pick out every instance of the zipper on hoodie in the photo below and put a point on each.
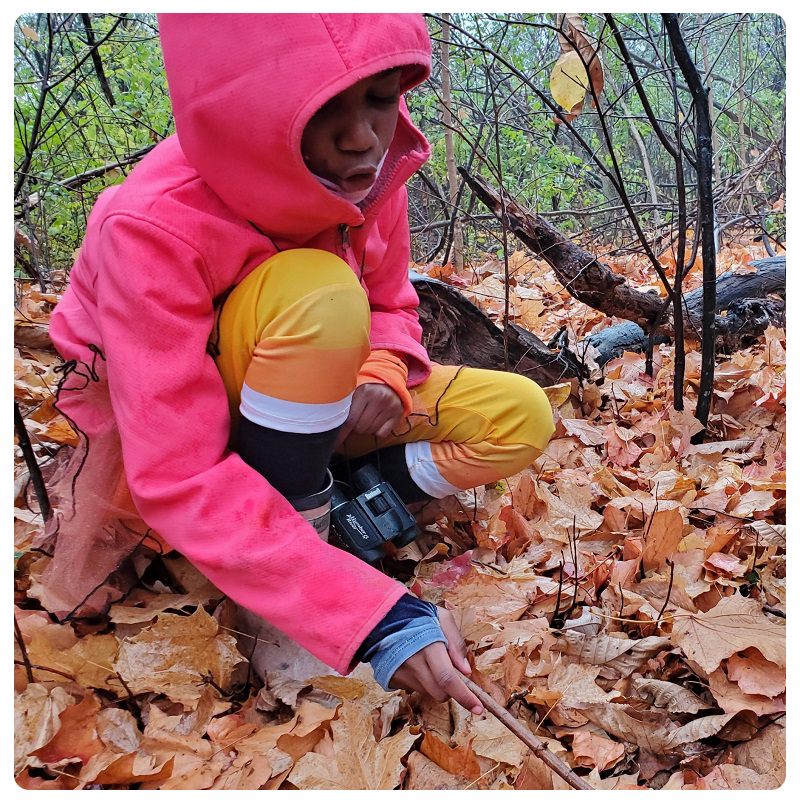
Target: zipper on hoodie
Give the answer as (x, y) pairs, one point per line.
(344, 232)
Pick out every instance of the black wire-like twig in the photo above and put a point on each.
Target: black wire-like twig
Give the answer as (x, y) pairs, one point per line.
(33, 465)
(669, 591)
(25, 660)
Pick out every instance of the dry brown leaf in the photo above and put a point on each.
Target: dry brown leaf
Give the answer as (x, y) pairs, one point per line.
(755, 674)
(662, 537)
(535, 774)
(200, 716)
(622, 450)
(118, 730)
(352, 687)
(732, 699)
(488, 736)
(773, 534)
(614, 782)
(37, 719)
(734, 624)
(618, 656)
(132, 614)
(195, 762)
(458, 760)
(657, 737)
(424, 775)
(77, 737)
(585, 431)
(90, 660)
(109, 768)
(576, 683)
(671, 697)
(251, 769)
(590, 750)
(731, 776)
(357, 760)
(308, 727)
(175, 655)
(765, 752)
(557, 515)
(481, 598)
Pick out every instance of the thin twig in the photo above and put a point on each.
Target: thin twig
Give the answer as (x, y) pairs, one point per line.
(31, 462)
(669, 591)
(21, 642)
(46, 669)
(533, 742)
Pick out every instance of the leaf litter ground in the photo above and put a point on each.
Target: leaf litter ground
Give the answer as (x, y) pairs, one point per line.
(624, 597)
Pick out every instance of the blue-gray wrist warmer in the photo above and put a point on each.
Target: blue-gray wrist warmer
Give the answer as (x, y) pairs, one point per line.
(410, 625)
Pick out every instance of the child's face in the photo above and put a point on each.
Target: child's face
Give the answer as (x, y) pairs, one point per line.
(346, 139)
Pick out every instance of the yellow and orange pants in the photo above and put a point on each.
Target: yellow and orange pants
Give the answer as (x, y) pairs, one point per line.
(293, 345)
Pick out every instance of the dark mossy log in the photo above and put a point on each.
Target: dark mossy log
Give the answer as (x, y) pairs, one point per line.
(745, 298)
(456, 331)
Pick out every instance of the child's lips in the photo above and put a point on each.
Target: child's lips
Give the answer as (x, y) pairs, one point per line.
(357, 180)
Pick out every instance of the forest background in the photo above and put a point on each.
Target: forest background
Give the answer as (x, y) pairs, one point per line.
(641, 528)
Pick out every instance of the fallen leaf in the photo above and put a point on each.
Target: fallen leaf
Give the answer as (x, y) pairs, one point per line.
(755, 674)
(585, 431)
(458, 760)
(175, 655)
(662, 536)
(734, 624)
(657, 737)
(195, 762)
(483, 598)
(732, 699)
(37, 719)
(576, 683)
(488, 737)
(424, 775)
(590, 750)
(357, 761)
(619, 657)
(765, 752)
(671, 697)
(732, 776)
(622, 450)
(118, 730)
(76, 739)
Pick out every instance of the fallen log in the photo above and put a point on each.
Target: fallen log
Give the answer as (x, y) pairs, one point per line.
(456, 331)
(585, 277)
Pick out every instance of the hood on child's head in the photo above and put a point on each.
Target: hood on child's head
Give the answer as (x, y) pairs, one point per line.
(244, 86)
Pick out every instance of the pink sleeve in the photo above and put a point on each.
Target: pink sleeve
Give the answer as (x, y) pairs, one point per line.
(392, 298)
(155, 310)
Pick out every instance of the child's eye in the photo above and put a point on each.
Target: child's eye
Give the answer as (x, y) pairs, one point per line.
(386, 99)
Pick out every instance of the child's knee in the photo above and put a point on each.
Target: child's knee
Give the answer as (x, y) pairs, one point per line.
(315, 296)
(529, 416)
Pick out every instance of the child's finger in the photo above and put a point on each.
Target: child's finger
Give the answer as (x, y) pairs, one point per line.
(385, 429)
(357, 408)
(447, 679)
(456, 646)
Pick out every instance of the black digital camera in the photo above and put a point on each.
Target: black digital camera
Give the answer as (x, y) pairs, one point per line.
(374, 515)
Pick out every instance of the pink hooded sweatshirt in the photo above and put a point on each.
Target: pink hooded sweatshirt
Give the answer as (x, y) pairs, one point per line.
(161, 250)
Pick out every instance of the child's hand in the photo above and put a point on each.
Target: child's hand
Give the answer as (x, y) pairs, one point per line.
(433, 669)
(375, 409)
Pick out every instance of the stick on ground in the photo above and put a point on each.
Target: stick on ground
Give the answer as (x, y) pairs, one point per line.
(536, 745)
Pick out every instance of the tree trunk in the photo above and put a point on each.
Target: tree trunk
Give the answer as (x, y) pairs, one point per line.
(452, 174)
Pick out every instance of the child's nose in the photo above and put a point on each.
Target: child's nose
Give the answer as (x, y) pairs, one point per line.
(357, 135)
